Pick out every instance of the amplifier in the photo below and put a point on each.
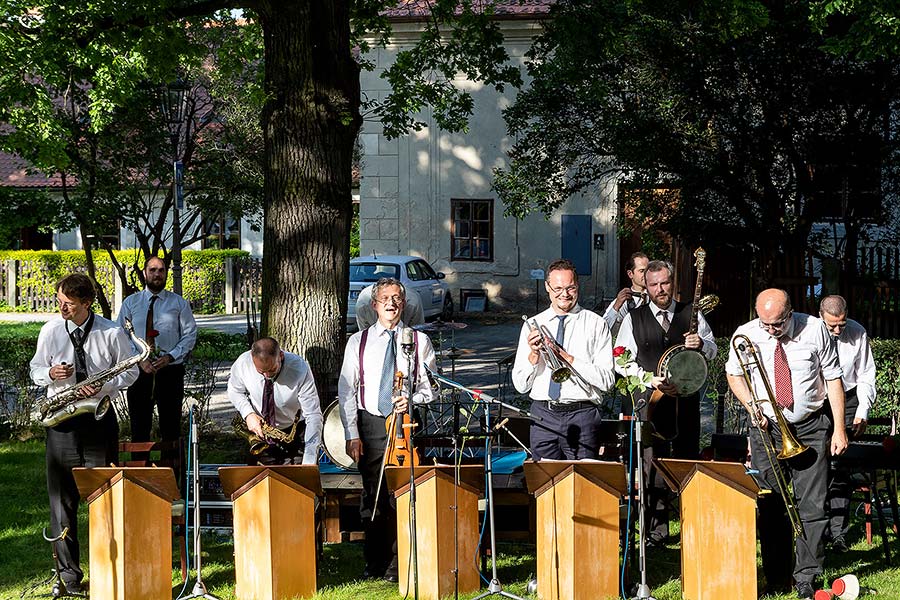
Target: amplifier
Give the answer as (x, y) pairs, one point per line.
(215, 507)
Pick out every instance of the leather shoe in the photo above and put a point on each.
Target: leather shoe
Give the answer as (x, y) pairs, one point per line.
(391, 577)
(805, 590)
(654, 540)
(370, 573)
(840, 544)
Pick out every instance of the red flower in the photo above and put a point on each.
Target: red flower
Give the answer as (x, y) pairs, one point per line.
(618, 351)
(152, 333)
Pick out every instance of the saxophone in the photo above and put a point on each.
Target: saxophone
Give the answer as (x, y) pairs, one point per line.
(259, 445)
(69, 402)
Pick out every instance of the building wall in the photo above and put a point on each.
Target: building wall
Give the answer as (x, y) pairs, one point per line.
(407, 185)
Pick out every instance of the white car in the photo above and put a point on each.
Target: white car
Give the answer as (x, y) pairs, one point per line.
(415, 274)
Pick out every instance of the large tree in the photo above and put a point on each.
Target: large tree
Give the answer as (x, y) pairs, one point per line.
(733, 103)
(309, 122)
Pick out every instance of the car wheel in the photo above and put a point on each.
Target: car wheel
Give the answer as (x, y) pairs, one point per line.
(447, 311)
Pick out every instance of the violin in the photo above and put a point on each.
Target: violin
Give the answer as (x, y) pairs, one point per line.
(399, 430)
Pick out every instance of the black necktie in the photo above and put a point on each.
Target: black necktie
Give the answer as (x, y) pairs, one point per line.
(148, 334)
(80, 360)
(268, 402)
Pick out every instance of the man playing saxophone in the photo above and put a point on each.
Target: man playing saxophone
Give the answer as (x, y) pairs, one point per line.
(802, 367)
(70, 350)
(274, 390)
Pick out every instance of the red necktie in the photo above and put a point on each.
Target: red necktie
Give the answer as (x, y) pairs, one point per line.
(784, 389)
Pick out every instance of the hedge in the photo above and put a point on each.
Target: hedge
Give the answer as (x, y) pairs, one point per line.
(203, 274)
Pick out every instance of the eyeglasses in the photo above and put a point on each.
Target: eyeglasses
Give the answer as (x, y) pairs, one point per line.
(571, 289)
(777, 325)
(398, 300)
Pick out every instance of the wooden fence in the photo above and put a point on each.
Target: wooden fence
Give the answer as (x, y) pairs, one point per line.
(27, 284)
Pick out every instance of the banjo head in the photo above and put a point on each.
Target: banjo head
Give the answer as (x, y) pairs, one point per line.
(685, 369)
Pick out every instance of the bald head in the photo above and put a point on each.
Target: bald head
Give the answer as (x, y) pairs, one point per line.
(833, 305)
(265, 347)
(772, 304)
(267, 356)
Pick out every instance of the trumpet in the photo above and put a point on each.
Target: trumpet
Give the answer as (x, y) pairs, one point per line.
(560, 369)
(790, 447)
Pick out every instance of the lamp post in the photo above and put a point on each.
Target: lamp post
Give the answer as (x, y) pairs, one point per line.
(173, 103)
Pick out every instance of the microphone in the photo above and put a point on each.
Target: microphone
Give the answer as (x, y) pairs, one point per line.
(406, 340)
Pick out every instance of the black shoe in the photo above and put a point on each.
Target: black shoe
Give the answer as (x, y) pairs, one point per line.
(370, 573)
(840, 544)
(392, 577)
(655, 540)
(805, 590)
(63, 589)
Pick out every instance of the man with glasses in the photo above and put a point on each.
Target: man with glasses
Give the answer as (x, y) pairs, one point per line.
(647, 332)
(367, 398)
(802, 367)
(858, 367)
(569, 417)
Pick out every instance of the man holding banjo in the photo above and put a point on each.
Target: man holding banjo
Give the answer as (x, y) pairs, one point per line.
(658, 329)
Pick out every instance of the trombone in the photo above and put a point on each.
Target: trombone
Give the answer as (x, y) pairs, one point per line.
(560, 369)
(790, 447)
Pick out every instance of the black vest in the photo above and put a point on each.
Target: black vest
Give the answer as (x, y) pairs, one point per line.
(649, 337)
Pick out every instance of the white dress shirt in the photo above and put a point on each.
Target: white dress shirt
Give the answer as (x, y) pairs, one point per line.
(857, 365)
(172, 318)
(626, 334)
(105, 346)
(373, 363)
(811, 357)
(295, 395)
(615, 317)
(587, 339)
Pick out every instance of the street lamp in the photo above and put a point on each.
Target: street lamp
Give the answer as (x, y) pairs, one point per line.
(173, 108)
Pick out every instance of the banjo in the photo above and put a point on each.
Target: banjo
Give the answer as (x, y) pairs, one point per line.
(684, 368)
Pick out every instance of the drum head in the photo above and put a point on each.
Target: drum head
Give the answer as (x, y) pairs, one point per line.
(686, 370)
(333, 437)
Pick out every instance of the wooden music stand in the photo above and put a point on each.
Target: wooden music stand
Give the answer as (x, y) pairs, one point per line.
(718, 527)
(130, 512)
(577, 527)
(435, 526)
(274, 529)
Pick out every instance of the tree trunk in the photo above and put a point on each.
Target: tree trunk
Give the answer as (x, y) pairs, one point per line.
(310, 123)
(92, 271)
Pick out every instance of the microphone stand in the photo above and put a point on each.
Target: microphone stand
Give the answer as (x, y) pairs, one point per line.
(495, 587)
(199, 589)
(408, 349)
(643, 590)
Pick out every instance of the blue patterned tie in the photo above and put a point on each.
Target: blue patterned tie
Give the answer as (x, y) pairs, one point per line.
(386, 387)
(560, 338)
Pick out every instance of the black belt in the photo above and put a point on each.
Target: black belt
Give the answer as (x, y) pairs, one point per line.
(567, 406)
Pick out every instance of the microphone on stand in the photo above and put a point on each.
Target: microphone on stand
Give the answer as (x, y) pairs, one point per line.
(406, 340)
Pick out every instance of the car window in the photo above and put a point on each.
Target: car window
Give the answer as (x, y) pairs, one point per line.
(372, 272)
(412, 271)
(426, 270)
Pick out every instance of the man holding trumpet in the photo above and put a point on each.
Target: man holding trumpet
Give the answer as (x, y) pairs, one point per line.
(574, 344)
(801, 367)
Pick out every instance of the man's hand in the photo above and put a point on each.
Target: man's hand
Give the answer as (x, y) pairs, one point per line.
(254, 424)
(663, 385)
(692, 341)
(859, 426)
(535, 341)
(162, 362)
(61, 371)
(622, 297)
(354, 449)
(86, 391)
(400, 404)
(147, 367)
(838, 442)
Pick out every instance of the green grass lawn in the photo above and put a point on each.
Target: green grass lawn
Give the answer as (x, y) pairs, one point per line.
(25, 558)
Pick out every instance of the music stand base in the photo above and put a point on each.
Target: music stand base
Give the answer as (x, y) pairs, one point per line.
(199, 591)
(495, 588)
(643, 593)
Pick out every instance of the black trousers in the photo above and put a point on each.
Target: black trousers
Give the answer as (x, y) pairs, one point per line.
(842, 481)
(79, 442)
(163, 389)
(676, 423)
(809, 473)
(564, 434)
(380, 548)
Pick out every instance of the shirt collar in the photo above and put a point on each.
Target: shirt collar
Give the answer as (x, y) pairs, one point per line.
(670, 309)
(380, 329)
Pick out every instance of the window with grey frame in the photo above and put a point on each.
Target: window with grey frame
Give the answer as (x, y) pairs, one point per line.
(472, 229)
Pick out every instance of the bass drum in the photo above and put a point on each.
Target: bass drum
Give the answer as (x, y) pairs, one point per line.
(685, 369)
(333, 437)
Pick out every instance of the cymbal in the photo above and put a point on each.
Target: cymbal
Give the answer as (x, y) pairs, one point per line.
(454, 352)
(440, 326)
